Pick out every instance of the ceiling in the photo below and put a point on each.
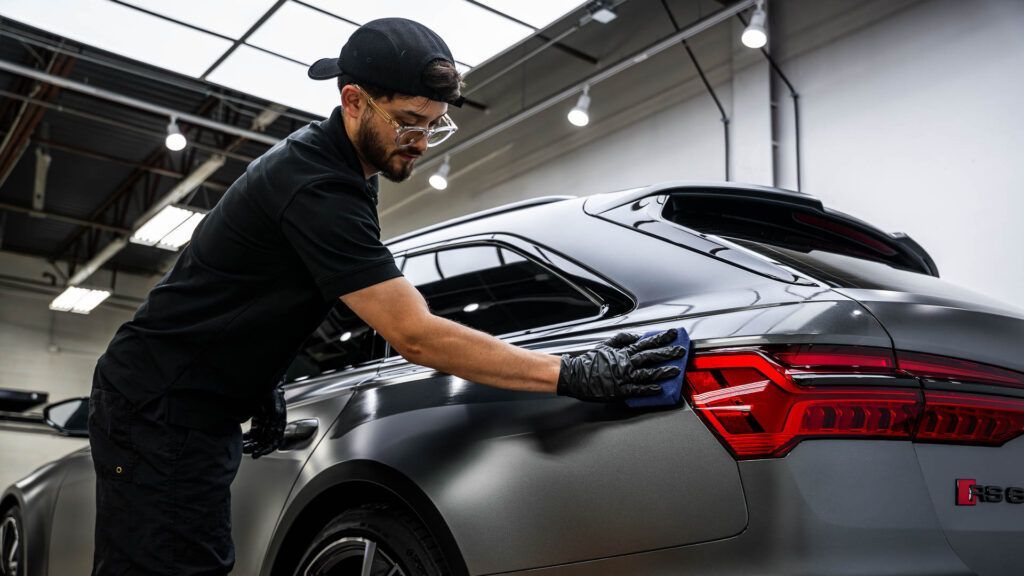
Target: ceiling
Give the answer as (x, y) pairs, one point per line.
(223, 41)
(109, 163)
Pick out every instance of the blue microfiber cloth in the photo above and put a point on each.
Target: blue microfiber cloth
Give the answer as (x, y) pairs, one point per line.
(672, 389)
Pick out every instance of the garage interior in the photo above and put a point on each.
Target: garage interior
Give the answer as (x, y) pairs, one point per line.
(904, 113)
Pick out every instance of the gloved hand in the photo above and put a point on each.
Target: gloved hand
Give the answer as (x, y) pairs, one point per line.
(266, 433)
(615, 370)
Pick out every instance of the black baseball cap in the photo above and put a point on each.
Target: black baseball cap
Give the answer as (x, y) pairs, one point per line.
(390, 53)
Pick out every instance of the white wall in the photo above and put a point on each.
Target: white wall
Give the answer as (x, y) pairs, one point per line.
(51, 351)
(914, 124)
(911, 120)
(48, 351)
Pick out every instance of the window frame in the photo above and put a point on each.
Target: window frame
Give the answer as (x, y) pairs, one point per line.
(524, 248)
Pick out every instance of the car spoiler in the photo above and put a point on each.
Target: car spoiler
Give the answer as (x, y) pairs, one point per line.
(899, 241)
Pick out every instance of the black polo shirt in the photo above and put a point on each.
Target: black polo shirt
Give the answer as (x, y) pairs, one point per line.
(291, 235)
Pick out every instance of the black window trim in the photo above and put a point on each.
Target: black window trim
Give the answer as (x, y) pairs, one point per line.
(522, 247)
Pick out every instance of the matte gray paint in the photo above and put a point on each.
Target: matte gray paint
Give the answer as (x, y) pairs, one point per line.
(856, 508)
(987, 535)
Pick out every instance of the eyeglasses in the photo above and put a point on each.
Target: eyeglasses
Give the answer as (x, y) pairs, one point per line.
(410, 135)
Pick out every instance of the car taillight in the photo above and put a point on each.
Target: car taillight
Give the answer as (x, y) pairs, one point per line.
(946, 368)
(970, 418)
(752, 400)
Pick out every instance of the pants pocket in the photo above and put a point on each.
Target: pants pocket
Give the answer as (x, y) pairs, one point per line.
(110, 436)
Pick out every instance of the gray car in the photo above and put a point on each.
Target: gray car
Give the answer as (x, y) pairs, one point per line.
(845, 410)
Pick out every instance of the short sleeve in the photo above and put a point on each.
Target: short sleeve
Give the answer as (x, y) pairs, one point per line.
(333, 228)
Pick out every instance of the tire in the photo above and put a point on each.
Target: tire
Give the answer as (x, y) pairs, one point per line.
(397, 541)
(12, 543)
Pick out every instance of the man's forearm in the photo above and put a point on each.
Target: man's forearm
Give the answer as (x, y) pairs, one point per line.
(479, 357)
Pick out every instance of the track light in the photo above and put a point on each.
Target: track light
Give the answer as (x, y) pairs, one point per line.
(754, 36)
(175, 139)
(579, 116)
(439, 180)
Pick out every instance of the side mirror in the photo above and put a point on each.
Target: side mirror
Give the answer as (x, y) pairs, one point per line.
(69, 417)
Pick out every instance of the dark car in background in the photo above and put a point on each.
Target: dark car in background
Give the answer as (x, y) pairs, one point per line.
(845, 410)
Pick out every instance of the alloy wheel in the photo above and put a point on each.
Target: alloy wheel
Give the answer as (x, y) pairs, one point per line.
(353, 556)
(10, 543)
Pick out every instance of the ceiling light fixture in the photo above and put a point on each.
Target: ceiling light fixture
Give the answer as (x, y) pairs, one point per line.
(175, 140)
(170, 229)
(79, 300)
(602, 11)
(754, 36)
(439, 180)
(580, 116)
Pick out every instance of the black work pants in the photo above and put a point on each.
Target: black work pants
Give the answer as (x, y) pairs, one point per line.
(163, 492)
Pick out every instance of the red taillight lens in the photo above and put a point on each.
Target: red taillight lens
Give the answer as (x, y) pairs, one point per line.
(946, 368)
(848, 359)
(970, 418)
(750, 399)
(757, 409)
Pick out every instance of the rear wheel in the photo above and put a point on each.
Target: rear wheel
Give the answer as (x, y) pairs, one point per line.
(374, 540)
(12, 555)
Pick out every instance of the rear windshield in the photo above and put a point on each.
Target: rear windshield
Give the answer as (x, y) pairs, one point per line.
(778, 225)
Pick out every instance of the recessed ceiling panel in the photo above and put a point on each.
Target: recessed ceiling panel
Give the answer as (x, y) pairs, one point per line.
(121, 30)
(276, 79)
(536, 14)
(302, 33)
(228, 17)
(473, 34)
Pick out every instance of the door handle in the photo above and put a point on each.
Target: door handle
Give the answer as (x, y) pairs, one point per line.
(298, 431)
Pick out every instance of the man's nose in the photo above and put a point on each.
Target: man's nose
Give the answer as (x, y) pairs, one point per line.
(420, 145)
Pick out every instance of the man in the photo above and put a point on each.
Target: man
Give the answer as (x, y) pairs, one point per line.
(291, 236)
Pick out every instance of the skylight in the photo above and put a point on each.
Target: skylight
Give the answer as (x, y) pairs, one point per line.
(295, 33)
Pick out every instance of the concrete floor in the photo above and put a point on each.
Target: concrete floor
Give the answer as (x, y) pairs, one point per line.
(23, 450)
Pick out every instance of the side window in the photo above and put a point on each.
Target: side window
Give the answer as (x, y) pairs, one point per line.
(341, 341)
(495, 289)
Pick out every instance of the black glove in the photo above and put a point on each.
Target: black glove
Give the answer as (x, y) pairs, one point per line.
(266, 433)
(615, 368)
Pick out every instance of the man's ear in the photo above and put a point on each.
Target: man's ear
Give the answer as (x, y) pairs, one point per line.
(351, 101)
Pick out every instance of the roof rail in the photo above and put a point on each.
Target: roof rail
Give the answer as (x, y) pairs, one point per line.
(479, 215)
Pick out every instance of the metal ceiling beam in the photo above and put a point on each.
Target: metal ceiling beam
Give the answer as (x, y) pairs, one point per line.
(179, 192)
(63, 218)
(118, 124)
(129, 101)
(16, 140)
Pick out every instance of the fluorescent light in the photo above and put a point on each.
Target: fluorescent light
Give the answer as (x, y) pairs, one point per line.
(122, 30)
(580, 115)
(79, 300)
(302, 33)
(228, 17)
(170, 229)
(473, 33)
(278, 80)
(754, 36)
(182, 234)
(175, 140)
(439, 180)
(536, 14)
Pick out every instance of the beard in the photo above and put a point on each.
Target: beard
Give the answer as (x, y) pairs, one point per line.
(381, 153)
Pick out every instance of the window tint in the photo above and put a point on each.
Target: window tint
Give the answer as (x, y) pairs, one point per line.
(780, 225)
(495, 290)
(341, 341)
(847, 272)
